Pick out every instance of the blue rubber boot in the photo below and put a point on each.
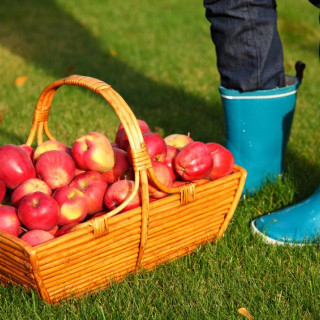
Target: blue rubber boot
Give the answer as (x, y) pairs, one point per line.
(298, 224)
(257, 127)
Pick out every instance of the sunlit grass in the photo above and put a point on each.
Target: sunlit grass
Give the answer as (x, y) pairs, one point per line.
(160, 58)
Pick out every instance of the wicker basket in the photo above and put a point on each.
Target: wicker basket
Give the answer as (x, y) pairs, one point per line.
(109, 247)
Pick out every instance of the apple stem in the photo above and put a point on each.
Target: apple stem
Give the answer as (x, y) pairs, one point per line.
(35, 203)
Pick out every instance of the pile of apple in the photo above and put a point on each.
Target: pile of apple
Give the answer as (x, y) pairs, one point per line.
(47, 190)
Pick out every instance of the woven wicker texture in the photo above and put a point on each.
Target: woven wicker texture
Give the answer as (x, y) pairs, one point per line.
(109, 247)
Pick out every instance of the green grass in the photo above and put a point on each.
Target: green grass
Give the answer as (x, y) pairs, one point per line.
(158, 55)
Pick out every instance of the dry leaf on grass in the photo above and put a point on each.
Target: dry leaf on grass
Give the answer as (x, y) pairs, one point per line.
(20, 80)
(245, 313)
(113, 53)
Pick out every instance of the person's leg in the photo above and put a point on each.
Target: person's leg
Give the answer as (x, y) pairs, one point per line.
(297, 224)
(248, 47)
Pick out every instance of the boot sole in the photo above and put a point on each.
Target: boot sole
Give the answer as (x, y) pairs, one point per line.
(269, 240)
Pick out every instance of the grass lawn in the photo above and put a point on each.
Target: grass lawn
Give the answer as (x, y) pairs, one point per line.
(158, 55)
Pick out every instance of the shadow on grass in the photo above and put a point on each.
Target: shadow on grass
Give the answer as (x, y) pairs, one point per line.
(11, 136)
(51, 39)
(305, 174)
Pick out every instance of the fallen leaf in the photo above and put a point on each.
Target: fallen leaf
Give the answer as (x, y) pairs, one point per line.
(245, 313)
(113, 53)
(20, 80)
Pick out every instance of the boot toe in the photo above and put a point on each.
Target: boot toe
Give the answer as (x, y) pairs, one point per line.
(298, 224)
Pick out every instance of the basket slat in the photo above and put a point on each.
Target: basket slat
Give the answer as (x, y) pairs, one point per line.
(100, 276)
(197, 228)
(170, 228)
(48, 263)
(85, 287)
(59, 248)
(86, 257)
(175, 253)
(92, 269)
(12, 278)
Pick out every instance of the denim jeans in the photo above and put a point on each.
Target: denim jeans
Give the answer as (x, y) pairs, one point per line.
(248, 47)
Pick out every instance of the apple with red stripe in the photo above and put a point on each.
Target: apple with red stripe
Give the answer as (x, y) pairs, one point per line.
(72, 203)
(29, 186)
(178, 140)
(120, 169)
(194, 161)
(35, 237)
(38, 211)
(93, 186)
(56, 168)
(163, 174)
(9, 221)
(48, 145)
(3, 191)
(122, 140)
(15, 166)
(223, 160)
(118, 192)
(93, 151)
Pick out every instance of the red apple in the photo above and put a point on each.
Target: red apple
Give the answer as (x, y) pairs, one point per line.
(65, 229)
(73, 205)
(35, 237)
(29, 186)
(28, 149)
(3, 190)
(9, 221)
(122, 138)
(56, 168)
(92, 184)
(178, 140)
(118, 192)
(129, 175)
(93, 151)
(120, 168)
(54, 230)
(15, 166)
(48, 145)
(169, 160)
(164, 175)
(223, 160)
(178, 183)
(37, 210)
(98, 214)
(78, 171)
(194, 161)
(155, 145)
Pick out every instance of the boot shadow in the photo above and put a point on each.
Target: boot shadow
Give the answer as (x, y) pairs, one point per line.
(304, 172)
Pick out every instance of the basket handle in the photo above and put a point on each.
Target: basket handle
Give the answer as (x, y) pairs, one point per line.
(42, 110)
(140, 156)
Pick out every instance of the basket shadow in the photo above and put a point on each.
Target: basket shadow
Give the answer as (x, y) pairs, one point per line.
(23, 27)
